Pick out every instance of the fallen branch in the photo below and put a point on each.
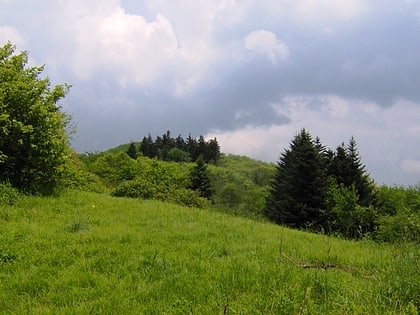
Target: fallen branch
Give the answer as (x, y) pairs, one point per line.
(307, 265)
(325, 266)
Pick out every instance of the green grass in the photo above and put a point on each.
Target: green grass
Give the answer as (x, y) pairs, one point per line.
(86, 253)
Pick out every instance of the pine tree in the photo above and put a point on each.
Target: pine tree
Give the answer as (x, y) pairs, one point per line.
(180, 143)
(212, 151)
(200, 179)
(147, 146)
(361, 179)
(132, 151)
(192, 147)
(299, 187)
(347, 169)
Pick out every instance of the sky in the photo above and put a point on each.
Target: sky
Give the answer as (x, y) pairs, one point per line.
(251, 73)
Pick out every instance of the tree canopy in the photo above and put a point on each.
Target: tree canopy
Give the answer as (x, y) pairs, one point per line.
(33, 140)
(167, 148)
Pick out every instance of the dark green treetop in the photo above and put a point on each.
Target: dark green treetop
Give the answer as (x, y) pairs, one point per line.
(132, 151)
(298, 190)
(200, 179)
(347, 169)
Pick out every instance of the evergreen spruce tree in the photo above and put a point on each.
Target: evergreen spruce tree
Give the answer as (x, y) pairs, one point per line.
(180, 143)
(200, 179)
(340, 167)
(132, 151)
(192, 148)
(212, 151)
(347, 169)
(361, 179)
(299, 188)
(147, 146)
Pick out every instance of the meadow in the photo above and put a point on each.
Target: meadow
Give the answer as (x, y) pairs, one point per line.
(90, 253)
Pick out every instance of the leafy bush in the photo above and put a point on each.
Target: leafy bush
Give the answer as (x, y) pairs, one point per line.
(138, 188)
(188, 197)
(8, 194)
(347, 217)
(399, 214)
(33, 139)
(402, 227)
(178, 155)
(144, 189)
(115, 167)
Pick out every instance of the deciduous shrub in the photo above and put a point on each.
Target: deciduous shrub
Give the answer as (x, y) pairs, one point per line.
(402, 227)
(8, 194)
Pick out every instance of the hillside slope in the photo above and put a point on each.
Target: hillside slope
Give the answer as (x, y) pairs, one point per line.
(90, 253)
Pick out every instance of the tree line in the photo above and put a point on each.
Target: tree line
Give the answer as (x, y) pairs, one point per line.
(177, 149)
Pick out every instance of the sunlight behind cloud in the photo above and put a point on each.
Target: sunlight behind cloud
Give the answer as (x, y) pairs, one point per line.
(266, 43)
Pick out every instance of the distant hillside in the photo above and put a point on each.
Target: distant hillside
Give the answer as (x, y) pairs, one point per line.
(240, 184)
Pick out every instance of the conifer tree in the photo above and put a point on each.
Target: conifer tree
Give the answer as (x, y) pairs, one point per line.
(298, 191)
(347, 169)
(212, 150)
(192, 147)
(200, 179)
(132, 151)
(147, 146)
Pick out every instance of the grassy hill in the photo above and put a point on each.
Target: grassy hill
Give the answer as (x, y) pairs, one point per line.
(85, 253)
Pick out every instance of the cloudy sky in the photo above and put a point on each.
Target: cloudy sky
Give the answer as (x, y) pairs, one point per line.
(250, 72)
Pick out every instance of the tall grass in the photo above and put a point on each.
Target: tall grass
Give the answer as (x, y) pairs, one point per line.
(90, 253)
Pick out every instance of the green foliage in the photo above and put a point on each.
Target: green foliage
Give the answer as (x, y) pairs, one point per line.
(346, 168)
(33, 140)
(187, 197)
(159, 180)
(399, 214)
(401, 227)
(8, 194)
(132, 151)
(392, 199)
(299, 188)
(241, 185)
(317, 188)
(167, 148)
(85, 253)
(115, 167)
(178, 155)
(138, 188)
(145, 189)
(200, 179)
(348, 217)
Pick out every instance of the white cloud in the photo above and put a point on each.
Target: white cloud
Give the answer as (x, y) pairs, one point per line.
(138, 50)
(266, 43)
(8, 33)
(135, 50)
